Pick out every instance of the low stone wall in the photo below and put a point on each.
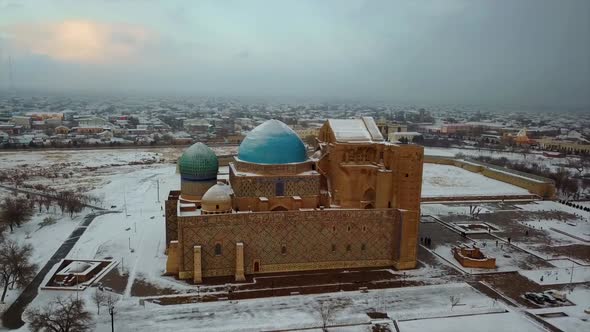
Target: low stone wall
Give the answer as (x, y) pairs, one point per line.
(537, 185)
(479, 261)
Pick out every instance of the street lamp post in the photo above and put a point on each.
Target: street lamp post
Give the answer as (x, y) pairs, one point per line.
(112, 313)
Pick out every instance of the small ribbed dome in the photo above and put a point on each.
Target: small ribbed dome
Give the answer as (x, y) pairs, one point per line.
(198, 162)
(272, 142)
(217, 199)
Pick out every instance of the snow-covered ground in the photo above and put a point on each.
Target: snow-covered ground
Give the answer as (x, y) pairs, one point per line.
(559, 276)
(576, 319)
(508, 259)
(45, 239)
(554, 206)
(97, 157)
(86, 158)
(509, 321)
(447, 209)
(299, 311)
(532, 157)
(140, 226)
(444, 180)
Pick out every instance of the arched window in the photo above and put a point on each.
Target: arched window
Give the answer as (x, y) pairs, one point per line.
(333, 247)
(363, 247)
(284, 249)
(218, 249)
(348, 248)
(369, 195)
(216, 207)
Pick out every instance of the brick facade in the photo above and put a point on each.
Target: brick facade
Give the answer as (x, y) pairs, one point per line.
(290, 240)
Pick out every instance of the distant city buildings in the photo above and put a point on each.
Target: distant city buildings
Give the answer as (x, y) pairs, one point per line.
(71, 122)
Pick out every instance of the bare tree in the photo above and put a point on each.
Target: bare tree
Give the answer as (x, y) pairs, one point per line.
(326, 310)
(99, 298)
(15, 265)
(474, 211)
(15, 211)
(454, 300)
(61, 315)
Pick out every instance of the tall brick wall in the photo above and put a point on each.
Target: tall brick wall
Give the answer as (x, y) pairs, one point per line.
(170, 207)
(308, 237)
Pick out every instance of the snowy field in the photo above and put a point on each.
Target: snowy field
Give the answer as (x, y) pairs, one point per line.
(575, 230)
(508, 259)
(577, 319)
(97, 157)
(559, 276)
(533, 157)
(509, 321)
(444, 180)
(297, 312)
(140, 225)
(438, 209)
(135, 238)
(45, 239)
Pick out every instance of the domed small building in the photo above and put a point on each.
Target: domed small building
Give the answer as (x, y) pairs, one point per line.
(217, 200)
(198, 167)
(354, 204)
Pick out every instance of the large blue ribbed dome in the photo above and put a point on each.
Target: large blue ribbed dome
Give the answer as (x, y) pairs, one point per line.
(272, 142)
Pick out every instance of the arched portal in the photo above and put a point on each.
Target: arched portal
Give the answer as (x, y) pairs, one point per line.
(279, 208)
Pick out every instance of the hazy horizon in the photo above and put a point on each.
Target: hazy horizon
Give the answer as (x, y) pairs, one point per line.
(523, 52)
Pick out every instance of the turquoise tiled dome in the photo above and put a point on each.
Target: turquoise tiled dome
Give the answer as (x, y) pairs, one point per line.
(272, 142)
(198, 163)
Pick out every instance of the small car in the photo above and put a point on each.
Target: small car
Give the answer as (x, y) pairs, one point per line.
(559, 296)
(548, 298)
(534, 297)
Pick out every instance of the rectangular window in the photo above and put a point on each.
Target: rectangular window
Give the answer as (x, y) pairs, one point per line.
(280, 188)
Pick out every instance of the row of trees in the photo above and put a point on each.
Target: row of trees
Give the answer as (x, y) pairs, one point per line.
(16, 210)
(565, 183)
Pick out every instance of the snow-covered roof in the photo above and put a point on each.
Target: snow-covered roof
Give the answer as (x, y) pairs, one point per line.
(355, 130)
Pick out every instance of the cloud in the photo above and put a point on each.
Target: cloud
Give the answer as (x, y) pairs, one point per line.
(81, 41)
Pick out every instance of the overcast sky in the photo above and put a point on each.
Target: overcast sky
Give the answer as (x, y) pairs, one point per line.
(527, 52)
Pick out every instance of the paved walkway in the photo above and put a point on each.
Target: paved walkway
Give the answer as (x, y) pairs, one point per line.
(12, 318)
